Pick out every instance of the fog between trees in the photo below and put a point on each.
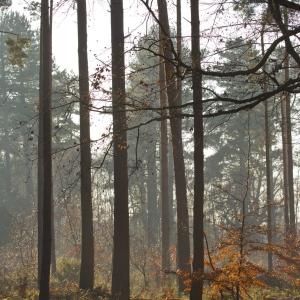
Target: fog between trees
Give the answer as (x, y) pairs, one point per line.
(192, 191)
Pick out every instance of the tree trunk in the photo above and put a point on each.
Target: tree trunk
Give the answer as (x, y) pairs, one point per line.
(268, 165)
(40, 171)
(269, 191)
(26, 148)
(183, 243)
(8, 196)
(53, 252)
(290, 176)
(7, 153)
(198, 261)
(285, 174)
(143, 209)
(47, 153)
(178, 41)
(171, 193)
(86, 280)
(120, 273)
(164, 172)
(152, 226)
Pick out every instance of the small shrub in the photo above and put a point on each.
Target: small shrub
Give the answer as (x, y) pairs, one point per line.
(67, 270)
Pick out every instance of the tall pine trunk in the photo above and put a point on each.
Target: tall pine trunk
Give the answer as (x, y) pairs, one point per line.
(171, 192)
(183, 243)
(269, 186)
(86, 280)
(40, 170)
(26, 148)
(268, 165)
(152, 226)
(179, 88)
(290, 176)
(178, 41)
(53, 251)
(8, 197)
(47, 153)
(164, 171)
(198, 261)
(285, 174)
(120, 273)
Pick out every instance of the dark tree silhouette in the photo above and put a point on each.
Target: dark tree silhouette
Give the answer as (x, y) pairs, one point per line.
(198, 259)
(120, 275)
(87, 251)
(47, 150)
(183, 244)
(164, 171)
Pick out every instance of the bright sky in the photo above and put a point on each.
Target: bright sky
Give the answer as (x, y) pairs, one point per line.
(65, 41)
(65, 28)
(65, 35)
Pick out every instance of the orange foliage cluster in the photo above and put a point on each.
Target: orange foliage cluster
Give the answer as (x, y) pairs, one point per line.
(229, 268)
(288, 255)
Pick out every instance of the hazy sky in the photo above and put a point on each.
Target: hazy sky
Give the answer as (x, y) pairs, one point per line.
(65, 28)
(65, 35)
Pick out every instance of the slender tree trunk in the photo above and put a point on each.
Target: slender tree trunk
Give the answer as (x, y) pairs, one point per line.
(214, 216)
(171, 193)
(290, 177)
(5, 106)
(290, 166)
(7, 152)
(179, 96)
(268, 165)
(120, 273)
(164, 172)
(198, 262)
(53, 251)
(289, 149)
(26, 150)
(86, 280)
(269, 191)
(47, 153)
(152, 226)
(40, 172)
(285, 174)
(143, 208)
(273, 207)
(183, 244)
(178, 41)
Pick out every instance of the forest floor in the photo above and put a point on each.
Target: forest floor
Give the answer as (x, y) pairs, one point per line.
(100, 294)
(68, 290)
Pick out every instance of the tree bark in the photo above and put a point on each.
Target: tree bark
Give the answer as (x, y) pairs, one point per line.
(86, 280)
(290, 177)
(269, 191)
(47, 153)
(120, 273)
(268, 165)
(183, 243)
(178, 41)
(26, 148)
(285, 174)
(40, 171)
(171, 192)
(152, 226)
(8, 195)
(164, 172)
(53, 247)
(198, 261)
